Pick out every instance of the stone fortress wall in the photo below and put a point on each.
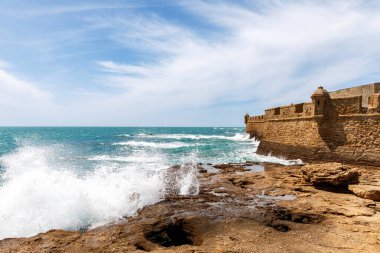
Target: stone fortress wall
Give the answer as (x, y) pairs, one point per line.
(364, 90)
(342, 125)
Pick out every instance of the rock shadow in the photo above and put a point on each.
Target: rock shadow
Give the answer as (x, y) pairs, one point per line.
(343, 188)
(172, 233)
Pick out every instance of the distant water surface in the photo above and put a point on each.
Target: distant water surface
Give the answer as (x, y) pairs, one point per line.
(80, 177)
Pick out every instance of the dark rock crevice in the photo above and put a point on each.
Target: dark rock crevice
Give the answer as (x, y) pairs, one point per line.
(172, 233)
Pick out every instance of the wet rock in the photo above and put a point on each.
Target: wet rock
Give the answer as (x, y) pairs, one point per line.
(252, 162)
(228, 168)
(330, 174)
(366, 191)
(202, 170)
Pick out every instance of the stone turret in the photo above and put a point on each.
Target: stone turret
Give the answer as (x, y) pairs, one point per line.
(321, 101)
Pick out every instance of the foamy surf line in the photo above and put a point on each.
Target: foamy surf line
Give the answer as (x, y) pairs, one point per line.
(236, 137)
(164, 145)
(129, 159)
(273, 159)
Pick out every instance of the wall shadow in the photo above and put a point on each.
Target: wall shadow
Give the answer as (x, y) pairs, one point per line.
(330, 129)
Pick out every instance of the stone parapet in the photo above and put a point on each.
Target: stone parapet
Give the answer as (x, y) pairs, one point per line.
(338, 129)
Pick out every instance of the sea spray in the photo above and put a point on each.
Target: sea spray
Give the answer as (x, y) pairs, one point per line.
(182, 180)
(189, 184)
(38, 195)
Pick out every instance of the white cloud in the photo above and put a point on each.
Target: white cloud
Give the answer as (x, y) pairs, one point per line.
(278, 55)
(149, 32)
(22, 101)
(112, 67)
(233, 59)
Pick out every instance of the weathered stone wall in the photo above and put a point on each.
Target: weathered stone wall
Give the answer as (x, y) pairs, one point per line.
(364, 90)
(350, 105)
(295, 131)
(255, 128)
(308, 109)
(360, 138)
(374, 103)
(377, 87)
(344, 106)
(332, 128)
(352, 138)
(290, 111)
(292, 138)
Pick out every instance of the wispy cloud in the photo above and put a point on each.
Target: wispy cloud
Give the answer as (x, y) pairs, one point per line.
(61, 8)
(22, 101)
(147, 32)
(17, 91)
(276, 55)
(112, 67)
(203, 63)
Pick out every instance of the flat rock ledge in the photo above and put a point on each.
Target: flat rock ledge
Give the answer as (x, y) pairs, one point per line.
(366, 191)
(335, 174)
(243, 207)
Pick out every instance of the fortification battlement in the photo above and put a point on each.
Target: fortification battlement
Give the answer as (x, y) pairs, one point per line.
(342, 125)
(362, 99)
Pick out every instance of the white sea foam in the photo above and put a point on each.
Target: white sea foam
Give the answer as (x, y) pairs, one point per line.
(39, 194)
(236, 137)
(246, 154)
(130, 159)
(163, 145)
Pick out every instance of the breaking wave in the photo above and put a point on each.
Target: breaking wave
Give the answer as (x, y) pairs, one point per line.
(236, 137)
(165, 145)
(38, 193)
(124, 135)
(129, 159)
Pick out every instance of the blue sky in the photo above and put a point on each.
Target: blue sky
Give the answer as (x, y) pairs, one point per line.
(177, 63)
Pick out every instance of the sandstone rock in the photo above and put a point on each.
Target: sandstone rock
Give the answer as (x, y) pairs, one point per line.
(228, 216)
(335, 174)
(366, 191)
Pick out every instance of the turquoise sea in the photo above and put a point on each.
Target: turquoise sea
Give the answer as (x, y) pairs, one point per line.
(81, 177)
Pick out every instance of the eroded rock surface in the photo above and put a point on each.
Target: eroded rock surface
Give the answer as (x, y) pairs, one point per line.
(330, 174)
(366, 191)
(236, 210)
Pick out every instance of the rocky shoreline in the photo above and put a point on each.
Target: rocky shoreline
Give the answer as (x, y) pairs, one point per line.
(242, 207)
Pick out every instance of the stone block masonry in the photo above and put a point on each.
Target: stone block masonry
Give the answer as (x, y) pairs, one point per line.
(332, 129)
